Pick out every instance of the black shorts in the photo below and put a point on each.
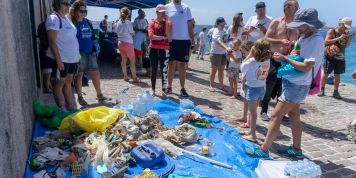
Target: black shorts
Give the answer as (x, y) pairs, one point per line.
(179, 50)
(338, 66)
(44, 62)
(69, 68)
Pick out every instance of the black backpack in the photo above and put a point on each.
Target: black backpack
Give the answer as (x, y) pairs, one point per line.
(42, 33)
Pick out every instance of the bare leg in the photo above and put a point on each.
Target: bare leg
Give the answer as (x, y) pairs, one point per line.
(231, 90)
(324, 79)
(47, 81)
(67, 90)
(296, 125)
(78, 83)
(182, 73)
(221, 76)
(213, 71)
(234, 83)
(252, 107)
(133, 67)
(171, 72)
(336, 81)
(123, 67)
(58, 91)
(95, 76)
(279, 111)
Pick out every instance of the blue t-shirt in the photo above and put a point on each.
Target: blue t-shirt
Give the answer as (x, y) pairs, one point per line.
(84, 36)
(138, 40)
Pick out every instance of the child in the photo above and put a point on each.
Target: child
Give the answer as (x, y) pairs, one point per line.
(234, 67)
(255, 71)
(288, 69)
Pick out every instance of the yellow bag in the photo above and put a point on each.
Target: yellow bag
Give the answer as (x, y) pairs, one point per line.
(93, 119)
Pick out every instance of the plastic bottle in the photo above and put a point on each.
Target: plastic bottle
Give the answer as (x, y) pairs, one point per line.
(148, 99)
(122, 98)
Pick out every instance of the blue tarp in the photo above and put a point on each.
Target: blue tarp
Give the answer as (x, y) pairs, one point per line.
(132, 4)
(228, 148)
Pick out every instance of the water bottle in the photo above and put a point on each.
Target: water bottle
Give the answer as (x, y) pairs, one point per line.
(147, 99)
(121, 98)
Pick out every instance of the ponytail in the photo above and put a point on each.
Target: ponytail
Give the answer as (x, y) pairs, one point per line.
(124, 14)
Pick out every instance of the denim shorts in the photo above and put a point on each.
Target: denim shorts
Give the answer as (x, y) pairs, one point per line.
(254, 93)
(88, 62)
(293, 93)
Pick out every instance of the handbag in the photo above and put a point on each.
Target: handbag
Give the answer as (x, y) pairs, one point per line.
(315, 84)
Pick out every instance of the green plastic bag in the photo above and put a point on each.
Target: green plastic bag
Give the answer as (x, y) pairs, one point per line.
(49, 116)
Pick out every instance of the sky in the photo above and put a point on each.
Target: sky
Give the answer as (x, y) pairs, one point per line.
(206, 11)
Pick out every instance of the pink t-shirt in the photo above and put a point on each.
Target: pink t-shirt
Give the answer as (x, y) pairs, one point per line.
(158, 28)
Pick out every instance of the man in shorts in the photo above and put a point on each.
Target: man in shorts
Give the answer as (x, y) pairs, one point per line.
(182, 38)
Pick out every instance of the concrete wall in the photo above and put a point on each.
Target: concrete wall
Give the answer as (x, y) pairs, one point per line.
(17, 86)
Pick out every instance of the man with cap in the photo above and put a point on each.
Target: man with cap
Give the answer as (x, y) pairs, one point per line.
(256, 26)
(140, 26)
(340, 37)
(182, 38)
(104, 24)
(281, 40)
(295, 88)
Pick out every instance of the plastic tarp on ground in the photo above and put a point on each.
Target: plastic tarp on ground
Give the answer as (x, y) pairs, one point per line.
(229, 148)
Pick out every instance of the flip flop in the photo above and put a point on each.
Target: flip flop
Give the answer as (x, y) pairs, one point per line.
(240, 120)
(244, 125)
(249, 139)
(137, 80)
(126, 79)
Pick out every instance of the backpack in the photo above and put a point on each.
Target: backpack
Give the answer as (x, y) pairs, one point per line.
(42, 33)
(315, 84)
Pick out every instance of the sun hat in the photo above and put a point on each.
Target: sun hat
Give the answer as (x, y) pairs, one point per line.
(308, 17)
(260, 5)
(346, 21)
(220, 20)
(161, 8)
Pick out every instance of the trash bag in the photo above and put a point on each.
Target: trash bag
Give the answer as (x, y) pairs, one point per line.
(93, 119)
(49, 116)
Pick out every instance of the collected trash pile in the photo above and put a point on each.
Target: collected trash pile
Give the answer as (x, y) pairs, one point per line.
(112, 141)
(351, 127)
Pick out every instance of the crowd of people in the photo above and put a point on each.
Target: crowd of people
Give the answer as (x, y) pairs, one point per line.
(252, 53)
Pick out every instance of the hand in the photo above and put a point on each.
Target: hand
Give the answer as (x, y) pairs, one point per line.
(252, 28)
(60, 65)
(261, 27)
(343, 36)
(279, 57)
(229, 50)
(286, 42)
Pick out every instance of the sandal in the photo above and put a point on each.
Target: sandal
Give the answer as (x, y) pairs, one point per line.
(244, 125)
(211, 89)
(247, 137)
(126, 79)
(137, 80)
(169, 90)
(240, 119)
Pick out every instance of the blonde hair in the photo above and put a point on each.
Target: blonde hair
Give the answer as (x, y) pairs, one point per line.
(75, 9)
(236, 42)
(261, 50)
(124, 14)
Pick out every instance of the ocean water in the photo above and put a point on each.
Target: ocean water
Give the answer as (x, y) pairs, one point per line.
(350, 52)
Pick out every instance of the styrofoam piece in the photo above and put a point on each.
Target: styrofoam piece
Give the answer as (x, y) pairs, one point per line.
(271, 169)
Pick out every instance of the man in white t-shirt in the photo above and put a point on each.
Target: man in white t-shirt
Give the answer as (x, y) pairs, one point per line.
(201, 42)
(256, 26)
(140, 25)
(182, 38)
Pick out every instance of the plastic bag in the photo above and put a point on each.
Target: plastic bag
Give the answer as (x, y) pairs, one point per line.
(48, 115)
(93, 119)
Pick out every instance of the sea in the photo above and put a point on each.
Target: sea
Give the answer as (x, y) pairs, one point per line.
(350, 52)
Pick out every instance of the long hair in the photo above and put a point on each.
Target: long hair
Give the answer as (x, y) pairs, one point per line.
(236, 23)
(261, 50)
(124, 14)
(73, 12)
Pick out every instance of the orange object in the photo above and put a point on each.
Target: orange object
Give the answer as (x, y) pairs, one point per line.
(71, 158)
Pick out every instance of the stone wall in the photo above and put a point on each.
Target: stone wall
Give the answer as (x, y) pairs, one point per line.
(17, 86)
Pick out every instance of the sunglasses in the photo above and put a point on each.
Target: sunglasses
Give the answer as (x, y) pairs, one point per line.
(65, 3)
(83, 11)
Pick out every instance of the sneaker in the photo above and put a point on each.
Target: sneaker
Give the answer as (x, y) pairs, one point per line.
(81, 101)
(184, 93)
(101, 97)
(201, 58)
(168, 90)
(143, 71)
(322, 93)
(337, 95)
(291, 152)
(257, 153)
(264, 116)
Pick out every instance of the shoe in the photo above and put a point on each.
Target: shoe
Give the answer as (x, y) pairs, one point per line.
(101, 97)
(168, 90)
(81, 101)
(257, 153)
(337, 95)
(184, 93)
(143, 71)
(291, 152)
(322, 93)
(285, 119)
(264, 116)
(201, 58)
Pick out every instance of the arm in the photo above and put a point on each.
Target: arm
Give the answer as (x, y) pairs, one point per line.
(222, 44)
(52, 38)
(191, 31)
(329, 40)
(305, 66)
(151, 34)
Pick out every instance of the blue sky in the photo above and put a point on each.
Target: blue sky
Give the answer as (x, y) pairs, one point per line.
(206, 11)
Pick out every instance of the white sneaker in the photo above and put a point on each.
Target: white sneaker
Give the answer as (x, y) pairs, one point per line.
(264, 117)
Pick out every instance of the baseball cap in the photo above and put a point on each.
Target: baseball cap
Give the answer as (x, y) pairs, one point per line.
(346, 21)
(161, 8)
(220, 20)
(260, 5)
